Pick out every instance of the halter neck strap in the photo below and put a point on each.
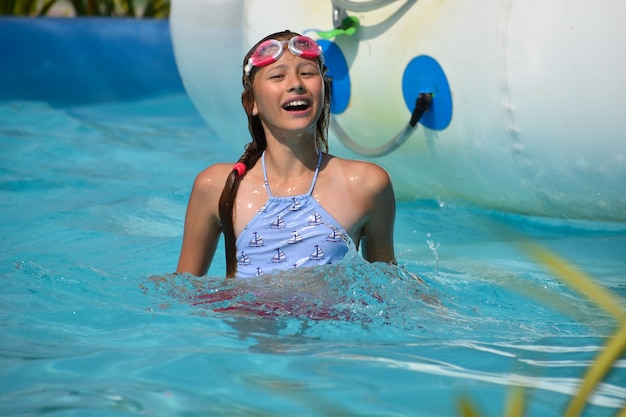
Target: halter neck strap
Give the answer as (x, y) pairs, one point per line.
(317, 171)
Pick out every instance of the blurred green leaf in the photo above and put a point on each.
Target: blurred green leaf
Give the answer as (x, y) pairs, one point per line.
(601, 366)
(159, 9)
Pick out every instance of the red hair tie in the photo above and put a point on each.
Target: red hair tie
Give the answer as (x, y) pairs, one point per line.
(240, 168)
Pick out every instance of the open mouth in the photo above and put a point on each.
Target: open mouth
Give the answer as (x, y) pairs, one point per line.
(297, 105)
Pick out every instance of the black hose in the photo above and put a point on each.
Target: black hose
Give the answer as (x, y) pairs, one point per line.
(421, 106)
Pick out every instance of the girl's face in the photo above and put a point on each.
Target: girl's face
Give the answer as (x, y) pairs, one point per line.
(288, 95)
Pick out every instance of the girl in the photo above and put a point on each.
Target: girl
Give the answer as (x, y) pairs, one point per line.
(287, 203)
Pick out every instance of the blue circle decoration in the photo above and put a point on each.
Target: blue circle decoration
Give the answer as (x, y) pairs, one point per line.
(339, 72)
(424, 75)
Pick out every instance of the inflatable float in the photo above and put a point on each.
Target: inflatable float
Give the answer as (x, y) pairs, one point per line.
(527, 97)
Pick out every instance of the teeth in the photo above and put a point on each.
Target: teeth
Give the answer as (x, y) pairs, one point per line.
(297, 103)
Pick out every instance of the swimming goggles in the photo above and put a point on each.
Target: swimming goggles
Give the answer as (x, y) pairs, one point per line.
(271, 50)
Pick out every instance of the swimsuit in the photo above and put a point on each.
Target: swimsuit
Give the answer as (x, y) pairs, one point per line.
(290, 232)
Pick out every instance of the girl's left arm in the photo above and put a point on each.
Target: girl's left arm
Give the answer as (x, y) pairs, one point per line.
(378, 230)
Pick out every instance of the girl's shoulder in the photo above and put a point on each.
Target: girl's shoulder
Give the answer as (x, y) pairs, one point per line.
(212, 178)
(217, 170)
(363, 173)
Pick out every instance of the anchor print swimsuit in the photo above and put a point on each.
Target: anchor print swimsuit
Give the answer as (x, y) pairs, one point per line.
(290, 232)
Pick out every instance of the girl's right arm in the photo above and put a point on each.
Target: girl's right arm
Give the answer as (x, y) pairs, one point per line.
(202, 223)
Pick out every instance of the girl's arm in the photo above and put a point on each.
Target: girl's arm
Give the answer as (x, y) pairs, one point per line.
(377, 237)
(202, 224)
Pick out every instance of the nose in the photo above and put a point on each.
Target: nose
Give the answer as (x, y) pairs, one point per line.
(296, 85)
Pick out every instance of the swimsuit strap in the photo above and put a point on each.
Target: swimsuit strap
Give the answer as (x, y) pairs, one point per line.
(267, 185)
(317, 171)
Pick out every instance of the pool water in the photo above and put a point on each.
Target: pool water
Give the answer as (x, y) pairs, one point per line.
(93, 199)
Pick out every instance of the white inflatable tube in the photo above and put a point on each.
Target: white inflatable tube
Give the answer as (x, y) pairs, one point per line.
(536, 91)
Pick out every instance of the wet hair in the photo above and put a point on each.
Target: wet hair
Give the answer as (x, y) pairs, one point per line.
(254, 149)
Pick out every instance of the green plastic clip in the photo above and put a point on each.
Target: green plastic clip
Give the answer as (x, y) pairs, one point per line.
(348, 26)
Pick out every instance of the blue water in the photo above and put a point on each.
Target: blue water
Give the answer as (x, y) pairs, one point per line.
(92, 200)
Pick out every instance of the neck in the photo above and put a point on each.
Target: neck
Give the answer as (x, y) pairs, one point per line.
(287, 164)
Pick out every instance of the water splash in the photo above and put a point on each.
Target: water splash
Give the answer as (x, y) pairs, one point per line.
(434, 248)
(351, 291)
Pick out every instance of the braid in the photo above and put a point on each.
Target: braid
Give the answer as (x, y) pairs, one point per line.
(226, 205)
